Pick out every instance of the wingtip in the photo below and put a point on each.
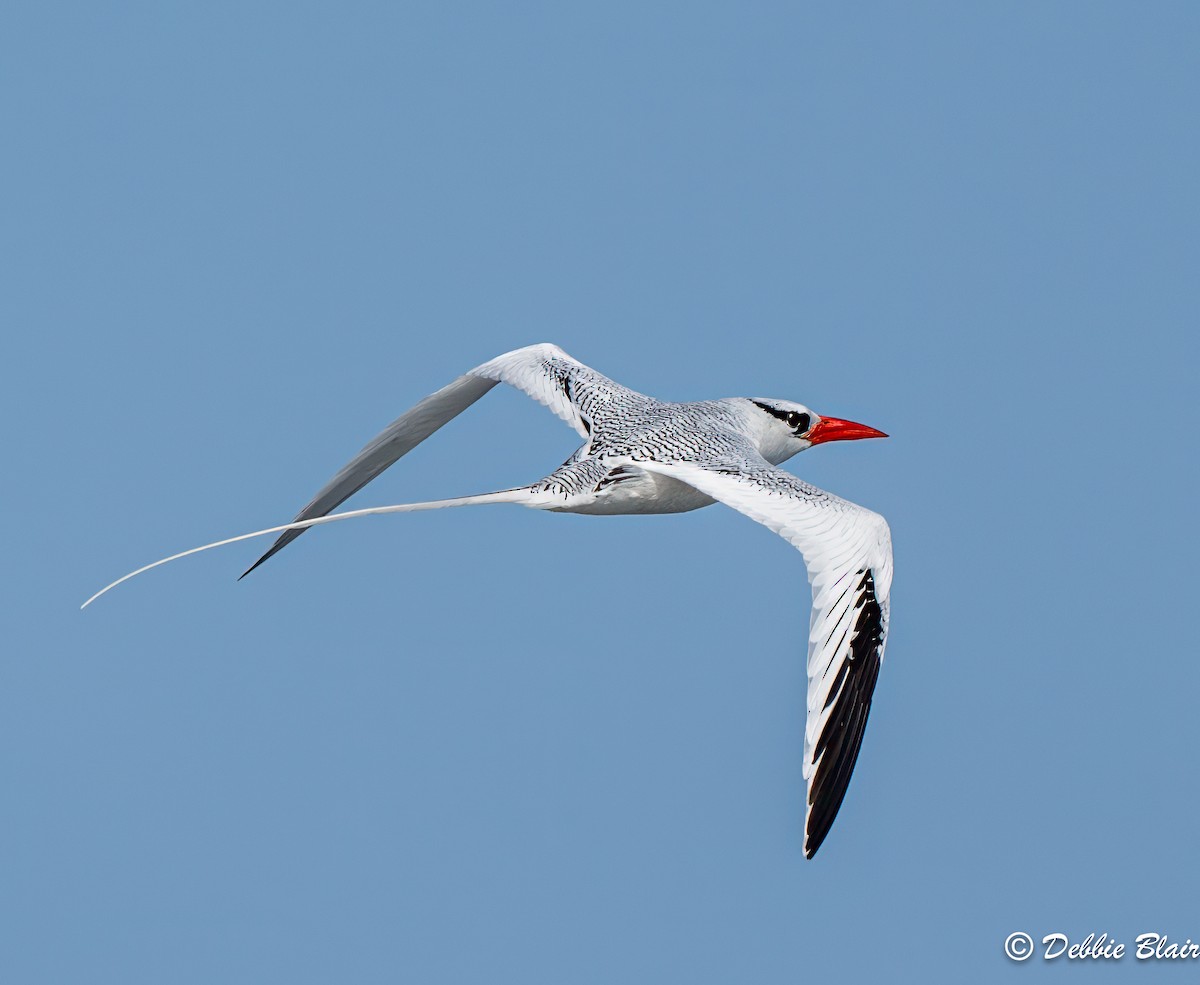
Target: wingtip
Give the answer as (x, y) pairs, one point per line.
(251, 568)
(286, 538)
(811, 845)
(257, 563)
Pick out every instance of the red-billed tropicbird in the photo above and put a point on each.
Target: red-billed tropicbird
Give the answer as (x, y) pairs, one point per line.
(642, 455)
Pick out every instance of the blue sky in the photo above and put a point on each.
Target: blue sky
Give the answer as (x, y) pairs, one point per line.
(239, 239)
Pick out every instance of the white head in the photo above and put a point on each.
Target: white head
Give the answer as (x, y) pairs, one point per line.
(784, 428)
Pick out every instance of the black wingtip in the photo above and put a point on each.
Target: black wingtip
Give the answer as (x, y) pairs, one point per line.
(284, 539)
(277, 546)
(841, 739)
(258, 562)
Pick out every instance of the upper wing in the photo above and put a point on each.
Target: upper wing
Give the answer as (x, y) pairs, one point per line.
(848, 552)
(544, 372)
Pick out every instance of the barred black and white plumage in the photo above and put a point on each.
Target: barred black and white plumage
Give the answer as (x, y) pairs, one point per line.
(642, 455)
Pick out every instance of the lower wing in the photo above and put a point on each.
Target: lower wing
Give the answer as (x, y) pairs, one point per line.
(848, 553)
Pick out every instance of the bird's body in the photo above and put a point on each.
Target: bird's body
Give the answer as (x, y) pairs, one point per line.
(621, 490)
(642, 455)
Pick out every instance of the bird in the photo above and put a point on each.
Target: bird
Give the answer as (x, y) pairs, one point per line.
(641, 455)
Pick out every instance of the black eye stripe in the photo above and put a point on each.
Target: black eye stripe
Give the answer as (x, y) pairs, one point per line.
(783, 415)
(792, 418)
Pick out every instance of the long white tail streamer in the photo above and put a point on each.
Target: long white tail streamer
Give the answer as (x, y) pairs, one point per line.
(506, 496)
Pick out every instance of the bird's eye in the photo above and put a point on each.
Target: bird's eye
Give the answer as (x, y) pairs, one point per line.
(799, 422)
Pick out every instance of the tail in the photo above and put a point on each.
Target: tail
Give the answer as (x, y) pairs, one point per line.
(521, 495)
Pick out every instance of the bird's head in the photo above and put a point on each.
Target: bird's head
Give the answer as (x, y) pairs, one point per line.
(786, 428)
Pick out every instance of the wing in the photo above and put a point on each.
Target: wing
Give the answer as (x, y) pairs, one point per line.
(544, 372)
(848, 552)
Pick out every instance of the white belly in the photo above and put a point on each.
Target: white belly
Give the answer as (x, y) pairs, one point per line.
(638, 492)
